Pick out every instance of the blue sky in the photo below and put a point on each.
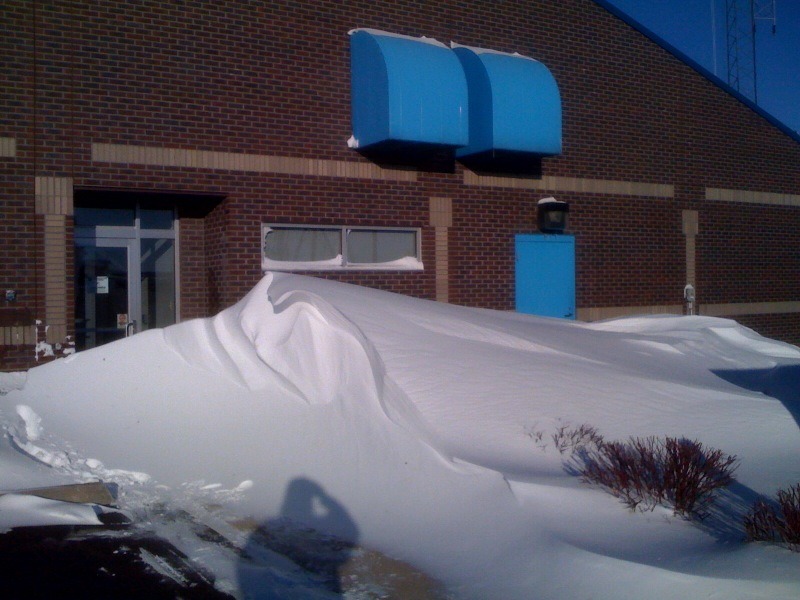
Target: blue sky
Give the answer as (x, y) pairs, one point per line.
(687, 25)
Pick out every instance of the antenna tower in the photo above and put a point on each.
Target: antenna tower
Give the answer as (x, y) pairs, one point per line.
(741, 18)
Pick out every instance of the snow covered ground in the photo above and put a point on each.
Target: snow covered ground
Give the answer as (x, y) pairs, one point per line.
(418, 430)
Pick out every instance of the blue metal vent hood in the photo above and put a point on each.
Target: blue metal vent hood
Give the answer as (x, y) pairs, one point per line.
(406, 89)
(514, 104)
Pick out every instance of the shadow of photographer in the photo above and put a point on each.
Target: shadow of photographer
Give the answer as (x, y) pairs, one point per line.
(302, 552)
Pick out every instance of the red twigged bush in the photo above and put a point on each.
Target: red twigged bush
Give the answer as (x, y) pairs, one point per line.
(776, 523)
(568, 439)
(645, 472)
(629, 470)
(693, 474)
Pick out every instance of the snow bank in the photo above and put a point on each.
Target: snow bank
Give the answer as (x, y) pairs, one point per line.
(423, 430)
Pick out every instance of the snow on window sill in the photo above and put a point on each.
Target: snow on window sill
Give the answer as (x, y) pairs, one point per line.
(408, 263)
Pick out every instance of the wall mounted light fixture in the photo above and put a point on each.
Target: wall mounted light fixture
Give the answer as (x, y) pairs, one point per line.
(552, 215)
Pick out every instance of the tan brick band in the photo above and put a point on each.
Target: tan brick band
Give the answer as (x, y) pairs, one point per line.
(574, 184)
(264, 163)
(613, 312)
(8, 147)
(750, 308)
(55, 277)
(441, 218)
(236, 161)
(21, 335)
(54, 202)
(709, 310)
(441, 212)
(691, 227)
(752, 197)
(54, 195)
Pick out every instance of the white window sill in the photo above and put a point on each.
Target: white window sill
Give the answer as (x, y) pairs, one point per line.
(408, 263)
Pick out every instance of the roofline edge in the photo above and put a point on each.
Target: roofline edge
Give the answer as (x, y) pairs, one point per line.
(699, 68)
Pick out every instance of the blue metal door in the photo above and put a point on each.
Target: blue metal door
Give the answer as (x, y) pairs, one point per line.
(545, 275)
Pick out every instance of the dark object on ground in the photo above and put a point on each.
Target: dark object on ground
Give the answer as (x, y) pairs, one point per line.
(69, 562)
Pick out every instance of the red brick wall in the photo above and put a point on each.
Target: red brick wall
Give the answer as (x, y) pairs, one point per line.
(192, 268)
(748, 254)
(16, 358)
(619, 264)
(17, 235)
(18, 247)
(273, 78)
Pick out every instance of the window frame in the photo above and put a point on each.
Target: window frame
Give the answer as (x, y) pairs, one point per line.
(402, 264)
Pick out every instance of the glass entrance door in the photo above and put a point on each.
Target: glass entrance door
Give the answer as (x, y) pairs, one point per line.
(102, 292)
(124, 272)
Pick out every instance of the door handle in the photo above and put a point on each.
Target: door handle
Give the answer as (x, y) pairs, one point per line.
(130, 328)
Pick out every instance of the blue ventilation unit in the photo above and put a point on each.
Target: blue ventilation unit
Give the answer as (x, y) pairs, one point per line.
(514, 104)
(406, 89)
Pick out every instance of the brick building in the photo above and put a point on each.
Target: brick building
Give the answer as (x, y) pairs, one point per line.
(155, 155)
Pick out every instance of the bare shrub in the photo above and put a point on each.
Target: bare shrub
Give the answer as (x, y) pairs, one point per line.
(779, 522)
(537, 436)
(692, 474)
(567, 438)
(789, 524)
(645, 472)
(760, 523)
(629, 470)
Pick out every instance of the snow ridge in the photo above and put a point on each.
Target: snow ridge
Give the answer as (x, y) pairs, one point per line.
(326, 357)
(313, 346)
(300, 341)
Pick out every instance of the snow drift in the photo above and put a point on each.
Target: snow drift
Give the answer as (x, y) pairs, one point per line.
(422, 430)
